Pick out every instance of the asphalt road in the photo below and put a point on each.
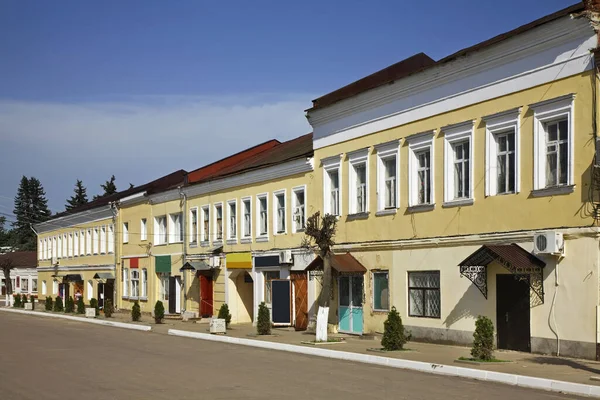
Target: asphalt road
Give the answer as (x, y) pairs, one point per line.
(46, 359)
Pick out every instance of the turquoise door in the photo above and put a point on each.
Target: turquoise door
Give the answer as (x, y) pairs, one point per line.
(350, 304)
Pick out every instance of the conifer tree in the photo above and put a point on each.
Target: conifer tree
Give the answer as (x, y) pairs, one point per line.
(109, 188)
(79, 198)
(31, 207)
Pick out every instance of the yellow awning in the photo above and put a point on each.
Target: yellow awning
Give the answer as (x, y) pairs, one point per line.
(239, 261)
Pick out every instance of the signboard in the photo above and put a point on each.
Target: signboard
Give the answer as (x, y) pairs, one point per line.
(281, 301)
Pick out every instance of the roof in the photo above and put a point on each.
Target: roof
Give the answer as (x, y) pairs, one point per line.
(345, 263)
(20, 259)
(514, 254)
(421, 62)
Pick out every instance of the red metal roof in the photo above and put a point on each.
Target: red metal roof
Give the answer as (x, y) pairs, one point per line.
(514, 254)
(20, 259)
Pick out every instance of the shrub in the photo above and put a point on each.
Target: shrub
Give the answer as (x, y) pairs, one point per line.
(136, 314)
(70, 305)
(159, 312)
(17, 301)
(94, 305)
(108, 308)
(80, 305)
(48, 303)
(483, 339)
(58, 304)
(23, 301)
(224, 314)
(263, 324)
(394, 336)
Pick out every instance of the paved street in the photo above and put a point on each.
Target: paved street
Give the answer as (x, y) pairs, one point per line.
(49, 359)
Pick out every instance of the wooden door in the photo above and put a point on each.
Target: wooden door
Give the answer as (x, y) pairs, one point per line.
(300, 300)
(206, 296)
(512, 312)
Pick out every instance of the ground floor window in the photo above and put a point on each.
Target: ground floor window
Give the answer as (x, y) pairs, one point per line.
(144, 282)
(164, 287)
(125, 282)
(24, 285)
(90, 289)
(34, 288)
(54, 286)
(135, 283)
(381, 293)
(269, 276)
(44, 289)
(424, 294)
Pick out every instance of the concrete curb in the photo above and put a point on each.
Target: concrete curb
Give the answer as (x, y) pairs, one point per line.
(440, 369)
(144, 328)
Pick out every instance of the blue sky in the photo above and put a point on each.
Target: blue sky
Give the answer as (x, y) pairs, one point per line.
(142, 88)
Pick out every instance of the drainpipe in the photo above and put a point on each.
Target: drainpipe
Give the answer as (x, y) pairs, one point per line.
(113, 208)
(555, 329)
(183, 206)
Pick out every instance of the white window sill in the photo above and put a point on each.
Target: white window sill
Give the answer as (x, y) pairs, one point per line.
(279, 233)
(134, 298)
(421, 208)
(301, 230)
(124, 242)
(143, 298)
(389, 211)
(458, 203)
(231, 241)
(553, 191)
(176, 242)
(125, 297)
(193, 244)
(262, 239)
(354, 217)
(218, 243)
(246, 240)
(204, 244)
(160, 244)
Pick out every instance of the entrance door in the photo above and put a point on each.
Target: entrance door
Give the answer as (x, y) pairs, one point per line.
(109, 291)
(512, 312)
(100, 295)
(172, 300)
(350, 304)
(300, 300)
(206, 296)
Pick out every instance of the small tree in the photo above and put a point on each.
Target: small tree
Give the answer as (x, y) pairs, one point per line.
(70, 305)
(483, 339)
(80, 305)
(108, 308)
(263, 324)
(17, 302)
(94, 305)
(136, 314)
(159, 312)
(58, 304)
(394, 336)
(224, 314)
(48, 303)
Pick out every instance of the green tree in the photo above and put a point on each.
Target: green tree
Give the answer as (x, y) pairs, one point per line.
(224, 314)
(70, 305)
(108, 308)
(48, 303)
(79, 198)
(80, 306)
(483, 339)
(159, 312)
(58, 304)
(31, 207)
(108, 187)
(136, 313)
(94, 305)
(394, 336)
(263, 324)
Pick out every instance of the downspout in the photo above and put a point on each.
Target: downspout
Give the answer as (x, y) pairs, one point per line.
(113, 208)
(555, 329)
(183, 205)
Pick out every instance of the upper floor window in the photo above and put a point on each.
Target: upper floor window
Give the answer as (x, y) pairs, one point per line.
(458, 171)
(387, 175)
(194, 225)
(76, 244)
(160, 230)
(247, 218)
(502, 153)
(125, 232)
(232, 226)
(358, 185)
(263, 216)
(205, 224)
(65, 242)
(219, 221)
(298, 208)
(420, 169)
(143, 229)
(279, 210)
(70, 245)
(175, 228)
(95, 239)
(88, 242)
(111, 238)
(82, 243)
(553, 147)
(103, 240)
(332, 185)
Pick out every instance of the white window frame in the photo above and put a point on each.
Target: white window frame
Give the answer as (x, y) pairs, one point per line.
(34, 288)
(125, 232)
(54, 286)
(332, 164)
(223, 233)
(144, 284)
(455, 135)
(276, 194)
(88, 242)
(386, 151)
(125, 281)
(134, 278)
(76, 244)
(246, 226)
(295, 226)
(357, 158)
(82, 243)
(175, 233)
(232, 234)
(158, 238)
(103, 239)
(95, 238)
(111, 239)
(496, 125)
(194, 239)
(143, 229)
(70, 244)
(90, 290)
(545, 112)
(417, 144)
(40, 250)
(262, 236)
(65, 253)
(44, 288)
(205, 236)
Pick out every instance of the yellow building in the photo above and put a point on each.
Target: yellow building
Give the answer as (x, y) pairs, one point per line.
(466, 187)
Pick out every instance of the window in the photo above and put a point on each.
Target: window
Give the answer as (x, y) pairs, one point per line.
(70, 245)
(103, 240)
(90, 290)
(160, 230)
(82, 243)
(553, 146)
(135, 283)
(205, 223)
(125, 281)
(420, 170)
(279, 210)
(502, 153)
(269, 276)
(219, 221)
(88, 241)
(247, 221)
(125, 232)
(387, 175)
(40, 250)
(143, 229)
(424, 294)
(175, 228)
(65, 253)
(111, 238)
(144, 283)
(76, 244)
(381, 294)
(12, 281)
(358, 184)
(54, 286)
(95, 241)
(298, 208)
(331, 185)
(263, 215)
(232, 214)
(34, 287)
(194, 225)
(24, 285)
(458, 172)
(164, 287)
(44, 288)
(45, 249)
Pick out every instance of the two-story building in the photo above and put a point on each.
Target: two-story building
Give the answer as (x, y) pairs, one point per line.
(467, 186)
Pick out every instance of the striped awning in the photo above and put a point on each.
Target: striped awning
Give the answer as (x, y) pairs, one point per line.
(239, 261)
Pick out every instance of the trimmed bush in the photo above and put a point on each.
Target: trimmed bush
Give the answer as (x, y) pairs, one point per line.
(70, 305)
(136, 313)
(483, 339)
(394, 336)
(108, 308)
(17, 301)
(80, 305)
(48, 303)
(58, 304)
(159, 312)
(224, 314)
(263, 324)
(94, 305)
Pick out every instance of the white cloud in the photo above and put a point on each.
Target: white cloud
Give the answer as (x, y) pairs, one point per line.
(136, 139)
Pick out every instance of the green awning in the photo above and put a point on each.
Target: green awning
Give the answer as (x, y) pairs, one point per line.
(162, 264)
(104, 275)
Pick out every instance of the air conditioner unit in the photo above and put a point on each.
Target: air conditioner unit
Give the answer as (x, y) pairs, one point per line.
(285, 257)
(54, 260)
(549, 242)
(215, 261)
